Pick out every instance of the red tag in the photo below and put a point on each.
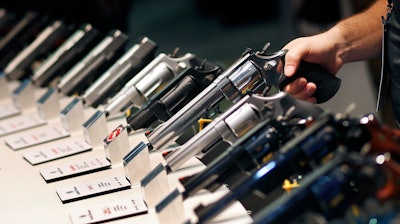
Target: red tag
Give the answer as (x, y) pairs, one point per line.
(114, 134)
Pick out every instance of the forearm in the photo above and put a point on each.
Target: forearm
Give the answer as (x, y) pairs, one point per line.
(360, 37)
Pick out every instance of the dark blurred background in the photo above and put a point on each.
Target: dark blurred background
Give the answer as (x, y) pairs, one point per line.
(214, 29)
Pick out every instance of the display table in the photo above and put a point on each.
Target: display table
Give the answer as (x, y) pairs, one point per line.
(26, 197)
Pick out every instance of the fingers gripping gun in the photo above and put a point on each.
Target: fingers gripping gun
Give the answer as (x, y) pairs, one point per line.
(238, 120)
(255, 72)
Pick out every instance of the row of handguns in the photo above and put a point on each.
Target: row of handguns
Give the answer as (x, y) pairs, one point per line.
(167, 88)
(271, 135)
(338, 161)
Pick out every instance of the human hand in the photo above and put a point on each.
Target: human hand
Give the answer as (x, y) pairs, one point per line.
(317, 49)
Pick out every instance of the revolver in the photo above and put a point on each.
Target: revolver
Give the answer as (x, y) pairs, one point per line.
(151, 79)
(255, 72)
(247, 153)
(112, 80)
(327, 135)
(183, 88)
(329, 190)
(238, 120)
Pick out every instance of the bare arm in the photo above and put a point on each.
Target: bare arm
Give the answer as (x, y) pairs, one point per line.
(355, 38)
(360, 36)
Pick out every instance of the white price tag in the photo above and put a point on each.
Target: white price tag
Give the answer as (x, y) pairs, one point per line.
(109, 211)
(35, 137)
(20, 123)
(93, 188)
(57, 151)
(75, 168)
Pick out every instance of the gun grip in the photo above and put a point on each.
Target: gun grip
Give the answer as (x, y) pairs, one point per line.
(327, 83)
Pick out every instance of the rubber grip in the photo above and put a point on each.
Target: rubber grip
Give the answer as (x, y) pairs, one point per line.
(327, 83)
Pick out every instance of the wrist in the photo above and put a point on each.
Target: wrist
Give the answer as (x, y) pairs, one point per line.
(342, 47)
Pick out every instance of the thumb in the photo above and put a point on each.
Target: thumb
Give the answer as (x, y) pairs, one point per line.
(289, 70)
(291, 64)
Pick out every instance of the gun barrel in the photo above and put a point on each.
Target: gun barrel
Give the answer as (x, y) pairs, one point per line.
(222, 86)
(281, 166)
(228, 127)
(244, 155)
(174, 96)
(18, 67)
(80, 76)
(150, 80)
(23, 32)
(162, 136)
(342, 179)
(120, 72)
(66, 55)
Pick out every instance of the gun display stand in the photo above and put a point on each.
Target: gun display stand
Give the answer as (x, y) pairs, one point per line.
(137, 163)
(47, 109)
(22, 99)
(24, 95)
(75, 146)
(71, 121)
(72, 116)
(154, 187)
(45, 188)
(48, 105)
(117, 145)
(170, 209)
(95, 129)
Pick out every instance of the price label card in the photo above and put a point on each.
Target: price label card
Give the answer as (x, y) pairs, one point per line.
(93, 188)
(20, 123)
(57, 151)
(8, 110)
(75, 168)
(109, 211)
(35, 137)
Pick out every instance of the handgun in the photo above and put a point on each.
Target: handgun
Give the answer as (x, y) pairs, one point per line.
(151, 79)
(126, 67)
(256, 72)
(353, 178)
(329, 190)
(100, 58)
(177, 93)
(64, 57)
(238, 120)
(19, 66)
(23, 32)
(247, 153)
(322, 139)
